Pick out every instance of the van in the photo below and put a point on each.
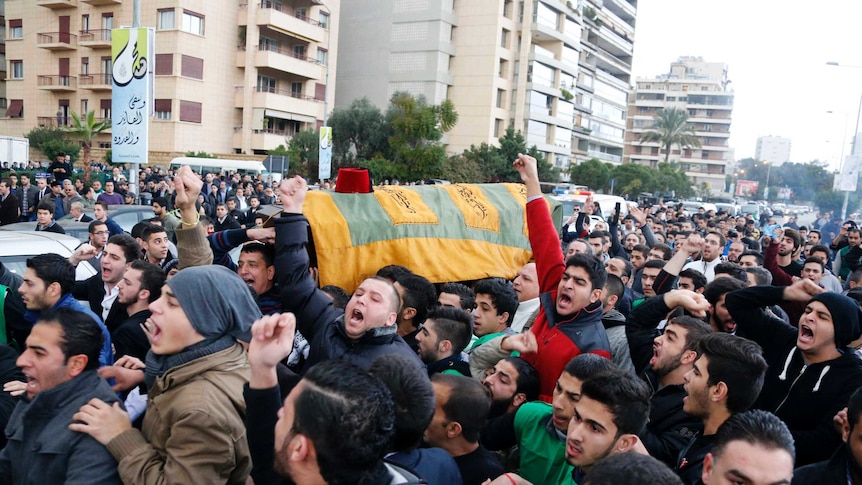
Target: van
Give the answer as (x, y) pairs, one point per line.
(216, 165)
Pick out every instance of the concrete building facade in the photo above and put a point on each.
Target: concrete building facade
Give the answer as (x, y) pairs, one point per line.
(773, 149)
(542, 67)
(230, 77)
(702, 89)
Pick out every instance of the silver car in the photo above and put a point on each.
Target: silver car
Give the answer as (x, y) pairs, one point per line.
(18, 246)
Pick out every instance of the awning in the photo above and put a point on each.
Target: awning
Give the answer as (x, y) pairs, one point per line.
(16, 106)
(284, 115)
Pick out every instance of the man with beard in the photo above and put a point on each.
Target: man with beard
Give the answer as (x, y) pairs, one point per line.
(511, 383)
(539, 429)
(612, 410)
(720, 318)
(735, 251)
(169, 221)
(778, 258)
(662, 358)
(713, 246)
(845, 466)
(569, 322)
(141, 285)
(812, 371)
(724, 380)
(441, 338)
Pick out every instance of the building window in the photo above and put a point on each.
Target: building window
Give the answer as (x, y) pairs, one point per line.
(164, 64)
(299, 51)
(192, 67)
(17, 69)
(85, 23)
(16, 29)
(163, 109)
(190, 111)
(296, 89)
(500, 94)
(498, 128)
(504, 39)
(85, 106)
(193, 23)
(105, 109)
(166, 19)
(321, 56)
(324, 20)
(504, 68)
(108, 22)
(266, 84)
(15, 109)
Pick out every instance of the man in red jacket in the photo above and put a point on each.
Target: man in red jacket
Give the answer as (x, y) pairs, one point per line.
(569, 322)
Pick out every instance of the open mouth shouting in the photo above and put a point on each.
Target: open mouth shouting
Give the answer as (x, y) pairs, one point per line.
(806, 335)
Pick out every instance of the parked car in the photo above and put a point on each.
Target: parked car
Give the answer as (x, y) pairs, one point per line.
(124, 215)
(18, 246)
(78, 230)
(730, 209)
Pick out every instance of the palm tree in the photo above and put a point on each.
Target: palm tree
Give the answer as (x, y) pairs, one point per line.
(671, 128)
(86, 129)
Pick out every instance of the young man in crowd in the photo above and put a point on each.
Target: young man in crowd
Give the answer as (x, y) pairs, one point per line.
(511, 382)
(441, 338)
(496, 305)
(45, 218)
(812, 372)
(141, 285)
(458, 296)
(526, 286)
(461, 410)
(569, 322)
(724, 380)
(753, 447)
(713, 246)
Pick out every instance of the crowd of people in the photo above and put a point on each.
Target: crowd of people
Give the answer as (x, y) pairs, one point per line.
(658, 347)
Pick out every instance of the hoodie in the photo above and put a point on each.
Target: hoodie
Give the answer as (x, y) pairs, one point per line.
(615, 326)
(805, 397)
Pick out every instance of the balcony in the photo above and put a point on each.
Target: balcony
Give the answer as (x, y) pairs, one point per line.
(57, 4)
(282, 17)
(95, 82)
(97, 3)
(57, 83)
(283, 59)
(61, 121)
(296, 106)
(57, 41)
(95, 39)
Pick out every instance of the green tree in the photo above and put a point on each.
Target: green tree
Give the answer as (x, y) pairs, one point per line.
(86, 129)
(462, 169)
(304, 150)
(593, 173)
(511, 144)
(52, 141)
(632, 178)
(489, 162)
(671, 128)
(200, 154)
(667, 178)
(417, 128)
(359, 132)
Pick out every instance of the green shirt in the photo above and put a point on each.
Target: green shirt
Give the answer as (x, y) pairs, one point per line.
(543, 455)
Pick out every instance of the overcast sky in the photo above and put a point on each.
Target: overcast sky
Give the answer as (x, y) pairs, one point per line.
(776, 53)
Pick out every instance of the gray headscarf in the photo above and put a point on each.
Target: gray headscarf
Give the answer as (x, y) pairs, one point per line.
(219, 306)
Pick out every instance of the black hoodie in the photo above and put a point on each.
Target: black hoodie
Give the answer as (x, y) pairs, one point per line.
(805, 397)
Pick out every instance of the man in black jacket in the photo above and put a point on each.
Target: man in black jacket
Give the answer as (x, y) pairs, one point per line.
(364, 330)
(662, 358)
(812, 372)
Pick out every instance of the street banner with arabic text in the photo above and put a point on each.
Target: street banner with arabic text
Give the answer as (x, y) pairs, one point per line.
(133, 56)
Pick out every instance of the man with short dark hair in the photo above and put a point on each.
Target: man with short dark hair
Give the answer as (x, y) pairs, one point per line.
(45, 218)
(612, 410)
(754, 446)
(109, 196)
(615, 322)
(713, 246)
(457, 295)
(631, 468)
(100, 213)
(460, 413)
(141, 285)
(751, 259)
(154, 242)
(418, 296)
(778, 257)
(496, 304)
(101, 290)
(60, 168)
(169, 221)
(223, 219)
(511, 382)
(60, 364)
(441, 338)
(48, 283)
(720, 319)
(526, 286)
(725, 379)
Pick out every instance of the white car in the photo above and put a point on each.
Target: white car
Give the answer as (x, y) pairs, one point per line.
(18, 246)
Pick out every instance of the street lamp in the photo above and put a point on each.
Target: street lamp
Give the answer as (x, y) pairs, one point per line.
(853, 149)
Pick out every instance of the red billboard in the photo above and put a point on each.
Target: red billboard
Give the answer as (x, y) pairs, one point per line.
(746, 188)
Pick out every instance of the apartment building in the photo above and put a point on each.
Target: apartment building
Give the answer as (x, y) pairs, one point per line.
(702, 89)
(773, 149)
(539, 66)
(230, 76)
